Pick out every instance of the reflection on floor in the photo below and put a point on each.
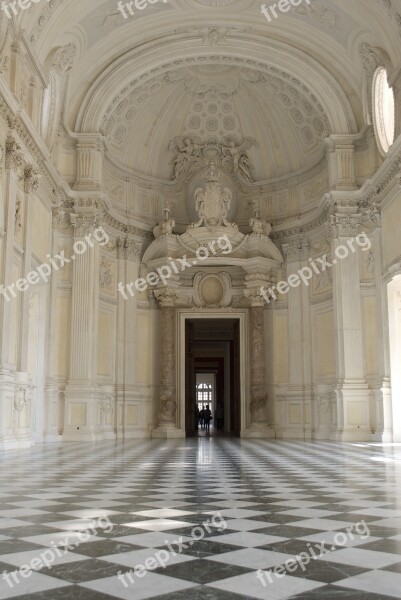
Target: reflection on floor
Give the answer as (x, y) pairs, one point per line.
(205, 518)
(213, 433)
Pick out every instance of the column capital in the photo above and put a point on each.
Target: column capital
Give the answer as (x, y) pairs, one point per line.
(255, 298)
(345, 219)
(84, 222)
(167, 297)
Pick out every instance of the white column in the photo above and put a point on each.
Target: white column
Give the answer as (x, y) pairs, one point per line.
(82, 396)
(352, 391)
(298, 399)
(128, 255)
(382, 421)
(8, 416)
(54, 409)
(31, 185)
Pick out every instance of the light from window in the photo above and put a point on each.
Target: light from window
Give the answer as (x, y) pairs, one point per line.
(383, 110)
(203, 394)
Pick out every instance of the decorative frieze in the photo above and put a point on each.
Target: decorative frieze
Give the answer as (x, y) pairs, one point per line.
(128, 249)
(296, 250)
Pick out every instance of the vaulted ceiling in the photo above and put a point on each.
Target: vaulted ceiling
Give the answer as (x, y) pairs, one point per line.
(215, 69)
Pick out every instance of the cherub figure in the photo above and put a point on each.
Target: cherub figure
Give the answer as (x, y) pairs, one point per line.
(235, 156)
(188, 150)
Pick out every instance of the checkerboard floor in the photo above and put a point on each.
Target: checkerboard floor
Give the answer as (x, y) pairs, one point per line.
(229, 509)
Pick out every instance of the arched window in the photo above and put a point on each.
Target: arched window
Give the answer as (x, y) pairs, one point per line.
(203, 394)
(383, 110)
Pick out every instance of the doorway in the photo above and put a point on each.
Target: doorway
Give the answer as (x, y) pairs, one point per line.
(213, 375)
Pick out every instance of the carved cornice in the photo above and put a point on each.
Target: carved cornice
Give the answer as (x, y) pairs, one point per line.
(19, 128)
(368, 198)
(129, 229)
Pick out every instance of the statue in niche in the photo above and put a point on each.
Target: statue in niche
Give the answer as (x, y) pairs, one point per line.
(259, 227)
(371, 263)
(105, 276)
(18, 216)
(213, 204)
(188, 151)
(234, 156)
(165, 227)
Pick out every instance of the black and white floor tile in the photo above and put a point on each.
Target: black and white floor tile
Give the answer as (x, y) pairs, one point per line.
(264, 503)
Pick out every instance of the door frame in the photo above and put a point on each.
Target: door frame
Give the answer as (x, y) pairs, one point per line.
(242, 316)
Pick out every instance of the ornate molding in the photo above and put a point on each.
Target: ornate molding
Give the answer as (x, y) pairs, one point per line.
(14, 154)
(192, 153)
(372, 58)
(296, 250)
(84, 223)
(128, 249)
(32, 179)
(212, 204)
(64, 57)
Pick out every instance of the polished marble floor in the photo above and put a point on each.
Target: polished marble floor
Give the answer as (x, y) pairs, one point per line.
(208, 518)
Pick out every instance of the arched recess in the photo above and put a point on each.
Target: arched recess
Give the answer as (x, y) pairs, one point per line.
(142, 64)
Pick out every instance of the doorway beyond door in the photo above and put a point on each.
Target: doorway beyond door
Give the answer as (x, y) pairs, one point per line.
(212, 352)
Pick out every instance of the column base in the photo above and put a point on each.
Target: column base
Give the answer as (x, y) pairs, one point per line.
(84, 414)
(52, 438)
(353, 409)
(134, 434)
(85, 436)
(167, 432)
(259, 432)
(10, 443)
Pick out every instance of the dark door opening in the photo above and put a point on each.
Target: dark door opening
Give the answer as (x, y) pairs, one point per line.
(212, 375)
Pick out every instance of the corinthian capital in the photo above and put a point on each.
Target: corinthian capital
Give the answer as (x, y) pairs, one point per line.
(344, 225)
(255, 298)
(166, 297)
(83, 223)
